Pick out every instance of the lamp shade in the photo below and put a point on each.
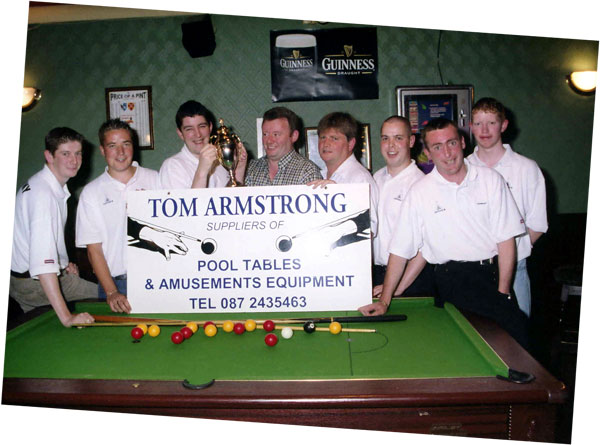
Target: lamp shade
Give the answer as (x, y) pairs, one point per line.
(30, 94)
(583, 81)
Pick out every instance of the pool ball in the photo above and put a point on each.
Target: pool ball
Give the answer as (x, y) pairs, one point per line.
(287, 333)
(271, 339)
(153, 330)
(335, 327)
(239, 328)
(143, 327)
(137, 333)
(268, 325)
(309, 327)
(187, 332)
(250, 325)
(193, 326)
(210, 330)
(228, 326)
(207, 323)
(177, 337)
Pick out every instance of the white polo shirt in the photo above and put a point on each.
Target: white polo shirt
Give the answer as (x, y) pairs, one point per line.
(177, 172)
(392, 191)
(102, 214)
(353, 172)
(528, 187)
(461, 222)
(39, 229)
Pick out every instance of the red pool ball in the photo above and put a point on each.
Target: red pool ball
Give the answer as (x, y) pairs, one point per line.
(268, 325)
(239, 328)
(177, 337)
(271, 339)
(187, 332)
(207, 323)
(137, 333)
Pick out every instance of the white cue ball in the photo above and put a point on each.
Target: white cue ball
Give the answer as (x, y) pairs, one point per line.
(287, 333)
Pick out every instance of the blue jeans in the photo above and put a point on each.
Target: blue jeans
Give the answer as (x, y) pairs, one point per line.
(120, 282)
(522, 287)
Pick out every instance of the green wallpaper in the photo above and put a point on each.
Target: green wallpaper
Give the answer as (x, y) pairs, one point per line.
(73, 62)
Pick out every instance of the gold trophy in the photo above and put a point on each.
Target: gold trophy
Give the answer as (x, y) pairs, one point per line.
(226, 143)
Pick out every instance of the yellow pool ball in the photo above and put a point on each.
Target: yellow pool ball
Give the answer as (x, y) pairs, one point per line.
(143, 327)
(153, 331)
(228, 326)
(250, 325)
(193, 326)
(210, 330)
(335, 327)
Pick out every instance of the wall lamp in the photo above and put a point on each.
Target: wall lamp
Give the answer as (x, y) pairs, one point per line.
(583, 81)
(30, 96)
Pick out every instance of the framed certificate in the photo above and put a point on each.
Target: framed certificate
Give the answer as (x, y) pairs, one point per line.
(134, 106)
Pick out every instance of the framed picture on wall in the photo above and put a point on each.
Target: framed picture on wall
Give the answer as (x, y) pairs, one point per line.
(134, 106)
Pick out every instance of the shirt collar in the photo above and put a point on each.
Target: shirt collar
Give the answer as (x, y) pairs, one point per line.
(61, 191)
(469, 177)
(131, 180)
(188, 154)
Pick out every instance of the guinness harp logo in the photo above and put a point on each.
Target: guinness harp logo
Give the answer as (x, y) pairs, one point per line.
(348, 50)
(296, 53)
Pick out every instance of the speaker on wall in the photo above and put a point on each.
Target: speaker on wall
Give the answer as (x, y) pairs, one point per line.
(198, 37)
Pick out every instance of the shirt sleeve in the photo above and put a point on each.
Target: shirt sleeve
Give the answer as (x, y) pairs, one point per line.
(505, 219)
(86, 225)
(407, 234)
(45, 226)
(535, 201)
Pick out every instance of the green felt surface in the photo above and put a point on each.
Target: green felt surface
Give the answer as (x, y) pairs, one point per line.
(431, 343)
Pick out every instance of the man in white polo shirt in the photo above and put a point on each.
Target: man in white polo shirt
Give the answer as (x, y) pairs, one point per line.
(41, 273)
(525, 181)
(338, 133)
(196, 165)
(102, 213)
(394, 181)
(463, 219)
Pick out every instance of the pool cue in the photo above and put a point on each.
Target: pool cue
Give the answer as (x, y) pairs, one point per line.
(358, 319)
(217, 324)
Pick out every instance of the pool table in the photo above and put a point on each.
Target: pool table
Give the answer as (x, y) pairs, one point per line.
(438, 372)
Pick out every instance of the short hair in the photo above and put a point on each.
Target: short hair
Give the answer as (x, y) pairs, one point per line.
(115, 124)
(283, 113)
(343, 122)
(61, 135)
(400, 119)
(192, 108)
(489, 105)
(438, 123)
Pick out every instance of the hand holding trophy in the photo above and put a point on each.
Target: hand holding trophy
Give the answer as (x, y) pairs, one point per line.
(226, 143)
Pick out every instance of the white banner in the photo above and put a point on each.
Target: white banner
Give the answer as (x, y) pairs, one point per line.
(249, 249)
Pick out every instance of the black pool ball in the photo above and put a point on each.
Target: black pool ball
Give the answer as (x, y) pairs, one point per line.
(309, 327)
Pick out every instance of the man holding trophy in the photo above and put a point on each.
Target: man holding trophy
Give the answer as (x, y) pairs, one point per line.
(197, 165)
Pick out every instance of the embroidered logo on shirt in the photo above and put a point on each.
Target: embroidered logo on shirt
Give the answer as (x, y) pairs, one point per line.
(399, 197)
(482, 203)
(25, 188)
(439, 209)
(107, 201)
(48, 261)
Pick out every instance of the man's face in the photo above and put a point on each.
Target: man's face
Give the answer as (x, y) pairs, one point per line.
(487, 129)
(445, 149)
(195, 132)
(396, 142)
(66, 160)
(277, 138)
(117, 149)
(334, 147)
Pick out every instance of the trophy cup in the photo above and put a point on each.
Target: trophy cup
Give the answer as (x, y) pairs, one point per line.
(226, 143)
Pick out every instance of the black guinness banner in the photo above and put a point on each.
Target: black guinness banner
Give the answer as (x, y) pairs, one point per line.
(326, 64)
